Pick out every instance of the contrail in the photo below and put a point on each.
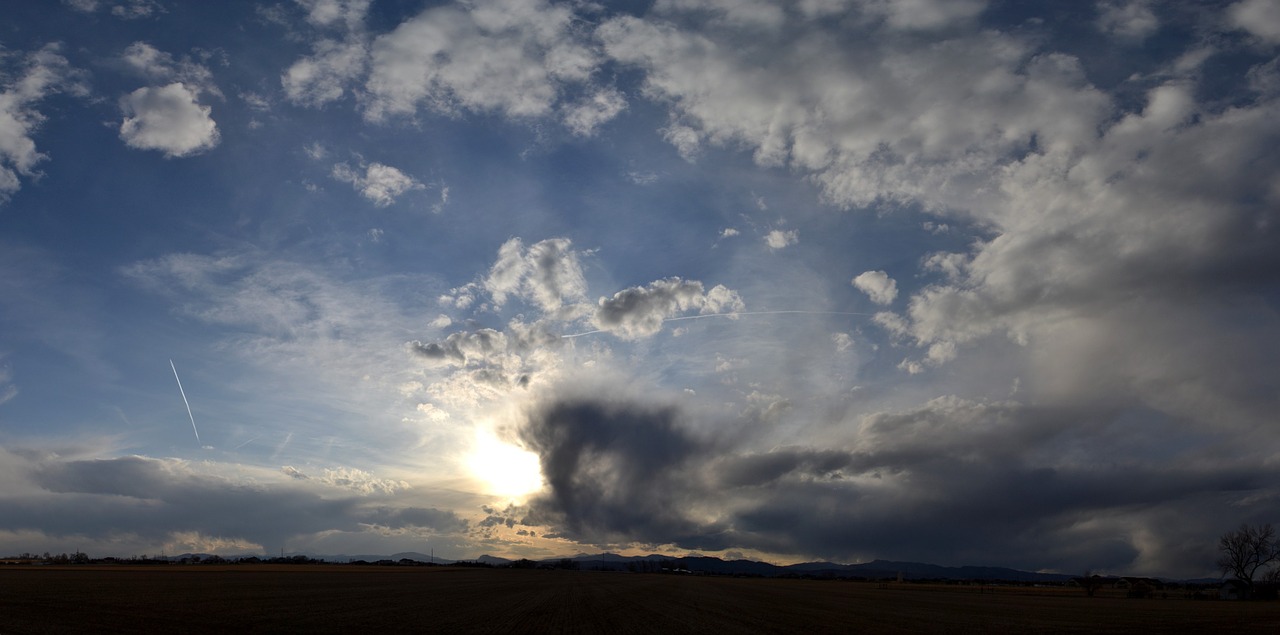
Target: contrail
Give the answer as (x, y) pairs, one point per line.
(729, 315)
(188, 404)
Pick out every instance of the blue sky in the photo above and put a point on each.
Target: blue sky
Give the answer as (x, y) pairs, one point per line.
(964, 281)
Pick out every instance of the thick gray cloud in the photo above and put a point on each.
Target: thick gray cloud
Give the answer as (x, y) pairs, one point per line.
(155, 500)
(619, 472)
(953, 481)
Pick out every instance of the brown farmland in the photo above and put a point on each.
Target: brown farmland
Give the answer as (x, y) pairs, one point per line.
(319, 599)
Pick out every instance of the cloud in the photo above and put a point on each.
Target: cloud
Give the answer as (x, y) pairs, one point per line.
(547, 273)
(43, 73)
(125, 10)
(640, 311)
(951, 481)
(617, 471)
(779, 239)
(1130, 19)
(584, 117)
(923, 15)
(380, 183)
(168, 119)
(880, 121)
(513, 57)
(324, 76)
(1259, 17)
(328, 13)
(174, 502)
(877, 285)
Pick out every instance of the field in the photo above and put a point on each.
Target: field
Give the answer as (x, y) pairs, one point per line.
(319, 599)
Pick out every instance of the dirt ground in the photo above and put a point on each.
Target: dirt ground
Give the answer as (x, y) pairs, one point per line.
(331, 599)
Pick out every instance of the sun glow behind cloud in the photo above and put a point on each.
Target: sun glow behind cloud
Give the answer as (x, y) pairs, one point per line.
(505, 470)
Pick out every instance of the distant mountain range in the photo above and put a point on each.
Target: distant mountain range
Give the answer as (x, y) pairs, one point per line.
(876, 569)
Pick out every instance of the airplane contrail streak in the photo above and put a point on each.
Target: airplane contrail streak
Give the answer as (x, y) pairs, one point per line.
(187, 403)
(729, 315)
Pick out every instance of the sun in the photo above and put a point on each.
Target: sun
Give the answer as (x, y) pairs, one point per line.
(504, 469)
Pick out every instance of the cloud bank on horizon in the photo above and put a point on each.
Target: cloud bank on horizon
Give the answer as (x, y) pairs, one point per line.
(952, 281)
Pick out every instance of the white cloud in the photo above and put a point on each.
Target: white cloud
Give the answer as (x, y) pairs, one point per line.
(843, 341)
(779, 239)
(45, 72)
(640, 311)
(884, 120)
(923, 15)
(759, 13)
(1261, 18)
(168, 119)
(136, 9)
(505, 56)
(877, 285)
(126, 9)
(547, 274)
(584, 117)
(348, 13)
(324, 76)
(1130, 19)
(380, 183)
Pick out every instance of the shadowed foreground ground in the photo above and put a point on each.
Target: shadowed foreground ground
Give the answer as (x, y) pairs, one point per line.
(349, 599)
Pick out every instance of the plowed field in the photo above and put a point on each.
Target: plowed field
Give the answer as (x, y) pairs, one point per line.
(330, 599)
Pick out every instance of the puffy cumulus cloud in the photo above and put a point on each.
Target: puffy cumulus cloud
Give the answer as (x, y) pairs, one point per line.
(877, 285)
(514, 57)
(640, 311)
(1260, 18)
(169, 119)
(1135, 224)
(780, 239)
(884, 119)
(1130, 19)
(41, 73)
(1096, 215)
(547, 273)
(463, 348)
(380, 183)
(477, 372)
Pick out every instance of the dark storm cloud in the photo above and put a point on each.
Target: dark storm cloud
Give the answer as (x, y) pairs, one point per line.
(428, 517)
(618, 470)
(954, 482)
(153, 499)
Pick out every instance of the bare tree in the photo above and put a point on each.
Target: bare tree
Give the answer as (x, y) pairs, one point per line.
(1247, 550)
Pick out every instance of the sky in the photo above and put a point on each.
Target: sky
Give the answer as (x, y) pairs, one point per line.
(954, 281)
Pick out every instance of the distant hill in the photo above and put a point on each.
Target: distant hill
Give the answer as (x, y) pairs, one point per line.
(876, 569)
